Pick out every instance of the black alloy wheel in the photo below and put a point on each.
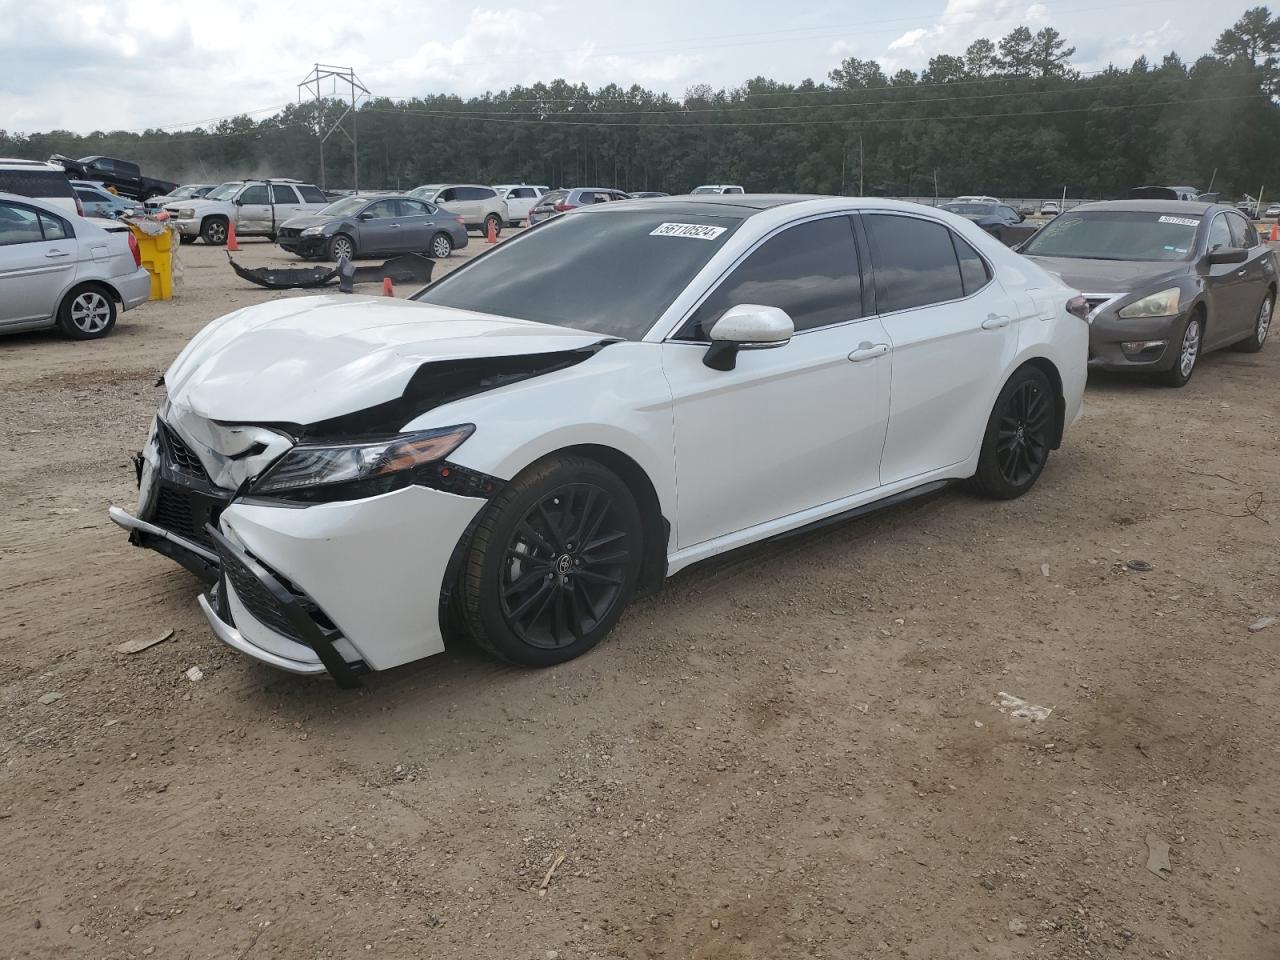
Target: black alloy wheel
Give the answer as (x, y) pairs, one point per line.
(564, 566)
(553, 562)
(1019, 436)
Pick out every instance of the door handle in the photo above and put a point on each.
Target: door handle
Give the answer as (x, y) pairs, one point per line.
(868, 351)
(394, 226)
(994, 322)
(1241, 273)
(57, 253)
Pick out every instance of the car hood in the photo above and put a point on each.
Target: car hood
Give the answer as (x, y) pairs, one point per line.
(302, 221)
(1110, 276)
(309, 359)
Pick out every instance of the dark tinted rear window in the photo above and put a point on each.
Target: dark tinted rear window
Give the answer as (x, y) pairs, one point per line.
(608, 273)
(914, 261)
(311, 194)
(36, 183)
(973, 269)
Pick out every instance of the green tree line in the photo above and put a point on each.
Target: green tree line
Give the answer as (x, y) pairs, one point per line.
(1011, 117)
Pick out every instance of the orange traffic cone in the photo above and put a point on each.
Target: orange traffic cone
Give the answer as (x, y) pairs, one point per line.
(387, 289)
(493, 234)
(231, 237)
(1275, 232)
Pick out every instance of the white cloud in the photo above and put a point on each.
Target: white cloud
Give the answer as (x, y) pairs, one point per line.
(960, 23)
(1152, 44)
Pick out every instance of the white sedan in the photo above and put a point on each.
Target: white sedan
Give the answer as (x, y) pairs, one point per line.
(559, 424)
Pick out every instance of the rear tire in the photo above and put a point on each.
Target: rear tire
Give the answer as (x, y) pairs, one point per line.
(441, 246)
(214, 231)
(492, 220)
(552, 563)
(1261, 326)
(87, 313)
(1015, 447)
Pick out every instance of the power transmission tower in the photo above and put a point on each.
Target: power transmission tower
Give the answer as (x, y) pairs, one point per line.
(313, 84)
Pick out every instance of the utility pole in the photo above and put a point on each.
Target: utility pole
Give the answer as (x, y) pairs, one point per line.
(357, 90)
(860, 193)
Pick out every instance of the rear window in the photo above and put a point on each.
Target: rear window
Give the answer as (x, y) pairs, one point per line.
(580, 270)
(311, 194)
(36, 183)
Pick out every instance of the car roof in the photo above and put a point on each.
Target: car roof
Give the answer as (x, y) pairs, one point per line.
(1196, 207)
(20, 162)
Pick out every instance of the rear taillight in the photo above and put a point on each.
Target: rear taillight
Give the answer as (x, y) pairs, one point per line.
(79, 205)
(562, 207)
(133, 248)
(1078, 306)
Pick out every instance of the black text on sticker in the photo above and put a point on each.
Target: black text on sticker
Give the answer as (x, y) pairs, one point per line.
(697, 231)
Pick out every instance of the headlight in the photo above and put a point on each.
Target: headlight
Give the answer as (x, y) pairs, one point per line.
(1162, 304)
(312, 231)
(186, 213)
(352, 471)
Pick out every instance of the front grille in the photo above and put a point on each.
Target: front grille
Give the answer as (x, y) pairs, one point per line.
(287, 232)
(180, 455)
(257, 599)
(185, 512)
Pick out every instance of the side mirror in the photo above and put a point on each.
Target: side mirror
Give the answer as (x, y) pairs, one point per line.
(1227, 255)
(748, 326)
(366, 215)
(1021, 217)
(238, 201)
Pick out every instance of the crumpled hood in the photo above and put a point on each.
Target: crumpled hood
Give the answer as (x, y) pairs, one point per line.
(304, 220)
(307, 359)
(1112, 276)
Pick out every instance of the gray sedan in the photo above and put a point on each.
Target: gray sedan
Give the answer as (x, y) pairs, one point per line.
(1166, 281)
(65, 271)
(364, 225)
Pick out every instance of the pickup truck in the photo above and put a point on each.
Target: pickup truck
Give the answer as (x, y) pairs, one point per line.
(124, 175)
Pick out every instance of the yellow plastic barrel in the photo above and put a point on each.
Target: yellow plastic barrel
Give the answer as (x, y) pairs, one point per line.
(157, 257)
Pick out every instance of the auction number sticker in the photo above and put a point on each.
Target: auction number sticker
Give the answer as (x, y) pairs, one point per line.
(697, 231)
(1181, 221)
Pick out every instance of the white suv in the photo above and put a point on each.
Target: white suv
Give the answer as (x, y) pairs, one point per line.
(520, 198)
(256, 207)
(40, 181)
(718, 188)
(479, 207)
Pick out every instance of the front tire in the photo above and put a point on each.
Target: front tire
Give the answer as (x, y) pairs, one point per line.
(341, 246)
(1261, 326)
(214, 231)
(1188, 353)
(441, 246)
(87, 313)
(552, 563)
(1019, 434)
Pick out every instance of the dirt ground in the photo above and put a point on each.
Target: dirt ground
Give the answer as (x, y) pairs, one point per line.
(795, 752)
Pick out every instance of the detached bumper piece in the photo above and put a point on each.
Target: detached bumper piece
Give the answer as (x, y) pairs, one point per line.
(279, 606)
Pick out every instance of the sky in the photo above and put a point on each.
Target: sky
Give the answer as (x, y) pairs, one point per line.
(138, 64)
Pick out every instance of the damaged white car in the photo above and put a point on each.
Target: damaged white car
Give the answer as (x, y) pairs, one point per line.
(526, 444)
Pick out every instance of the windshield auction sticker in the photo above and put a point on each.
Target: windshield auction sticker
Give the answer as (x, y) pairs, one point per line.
(697, 231)
(1180, 221)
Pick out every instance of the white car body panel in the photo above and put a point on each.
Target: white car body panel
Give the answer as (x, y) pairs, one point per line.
(839, 417)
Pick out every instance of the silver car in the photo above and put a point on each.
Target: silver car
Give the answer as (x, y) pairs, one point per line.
(63, 271)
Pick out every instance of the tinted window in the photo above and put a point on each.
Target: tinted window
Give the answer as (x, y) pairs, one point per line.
(105, 164)
(448, 195)
(311, 194)
(89, 196)
(475, 193)
(973, 269)
(36, 183)
(915, 262)
(1242, 232)
(1219, 233)
(255, 194)
(280, 193)
(809, 270)
(18, 225)
(580, 271)
(54, 229)
(523, 193)
(1008, 213)
(383, 208)
(412, 208)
